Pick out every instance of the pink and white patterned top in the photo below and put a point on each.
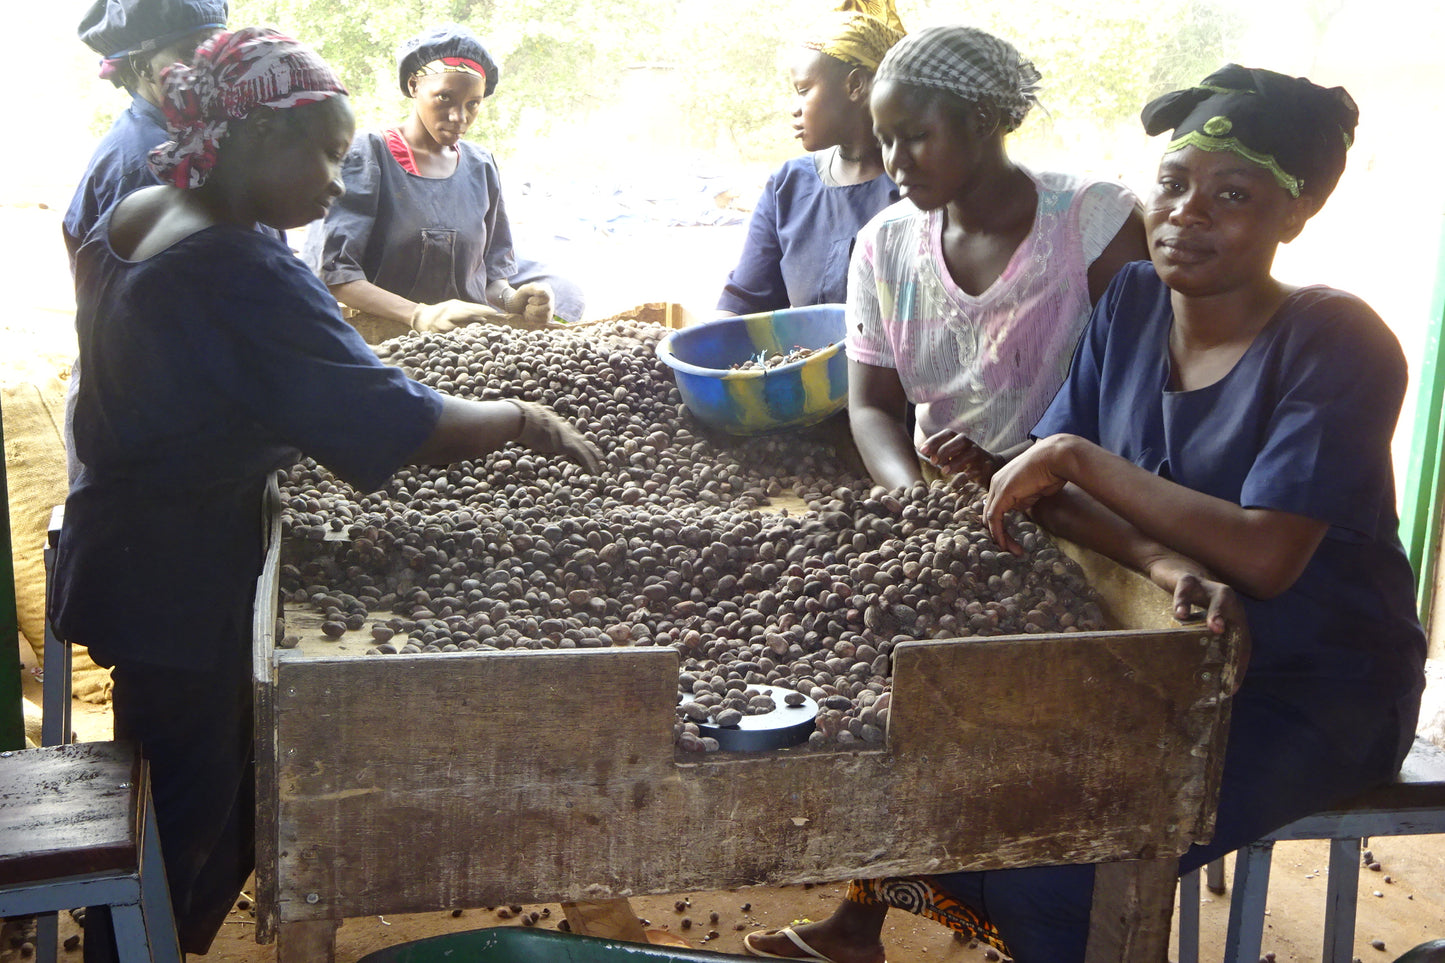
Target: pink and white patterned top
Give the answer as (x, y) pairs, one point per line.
(984, 366)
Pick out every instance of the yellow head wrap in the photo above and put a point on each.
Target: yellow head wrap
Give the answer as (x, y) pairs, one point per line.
(858, 32)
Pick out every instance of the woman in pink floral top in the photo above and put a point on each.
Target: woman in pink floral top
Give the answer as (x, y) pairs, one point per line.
(966, 298)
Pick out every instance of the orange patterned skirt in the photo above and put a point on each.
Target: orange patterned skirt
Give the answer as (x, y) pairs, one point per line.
(918, 895)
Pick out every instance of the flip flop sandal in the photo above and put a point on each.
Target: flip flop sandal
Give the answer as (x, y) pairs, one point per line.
(813, 956)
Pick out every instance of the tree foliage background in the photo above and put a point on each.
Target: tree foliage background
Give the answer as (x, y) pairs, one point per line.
(567, 62)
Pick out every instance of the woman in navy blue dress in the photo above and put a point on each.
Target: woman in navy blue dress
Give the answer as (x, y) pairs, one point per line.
(212, 354)
(1229, 435)
(800, 236)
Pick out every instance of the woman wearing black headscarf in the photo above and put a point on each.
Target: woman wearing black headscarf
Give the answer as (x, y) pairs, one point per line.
(1229, 436)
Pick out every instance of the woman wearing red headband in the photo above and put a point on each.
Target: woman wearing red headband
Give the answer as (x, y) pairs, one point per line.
(422, 237)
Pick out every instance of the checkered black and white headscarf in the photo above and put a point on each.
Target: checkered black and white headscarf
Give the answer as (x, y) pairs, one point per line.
(966, 61)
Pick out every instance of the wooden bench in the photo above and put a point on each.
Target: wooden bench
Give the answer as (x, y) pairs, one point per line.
(1414, 804)
(77, 829)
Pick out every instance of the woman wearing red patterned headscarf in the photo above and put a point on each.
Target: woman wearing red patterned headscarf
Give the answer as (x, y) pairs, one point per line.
(212, 354)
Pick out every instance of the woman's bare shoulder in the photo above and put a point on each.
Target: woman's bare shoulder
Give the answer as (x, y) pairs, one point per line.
(152, 219)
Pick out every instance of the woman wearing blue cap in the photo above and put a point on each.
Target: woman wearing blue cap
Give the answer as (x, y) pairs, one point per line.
(422, 236)
(136, 40)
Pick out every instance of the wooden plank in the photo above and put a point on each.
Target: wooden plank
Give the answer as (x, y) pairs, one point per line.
(68, 811)
(1133, 903)
(312, 941)
(267, 613)
(607, 919)
(417, 783)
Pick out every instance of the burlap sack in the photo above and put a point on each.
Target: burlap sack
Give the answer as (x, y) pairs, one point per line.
(34, 413)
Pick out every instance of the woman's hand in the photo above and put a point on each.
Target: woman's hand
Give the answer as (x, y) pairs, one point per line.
(450, 315)
(1019, 484)
(960, 455)
(1193, 589)
(543, 431)
(534, 302)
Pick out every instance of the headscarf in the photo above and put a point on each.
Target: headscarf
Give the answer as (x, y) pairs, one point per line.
(857, 32)
(449, 48)
(1294, 129)
(119, 29)
(967, 62)
(234, 73)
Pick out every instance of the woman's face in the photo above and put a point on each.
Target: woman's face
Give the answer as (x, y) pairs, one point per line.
(446, 104)
(931, 144)
(1215, 220)
(183, 51)
(297, 172)
(823, 114)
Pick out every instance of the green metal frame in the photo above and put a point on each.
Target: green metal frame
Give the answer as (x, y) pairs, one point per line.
(12, 718)
(1420, 515)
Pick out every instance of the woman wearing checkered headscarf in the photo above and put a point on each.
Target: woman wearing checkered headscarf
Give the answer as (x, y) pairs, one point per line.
(965, 301)
(802, 229)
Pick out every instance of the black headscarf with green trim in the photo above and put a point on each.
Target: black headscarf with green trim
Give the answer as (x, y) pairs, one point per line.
(1295, 129)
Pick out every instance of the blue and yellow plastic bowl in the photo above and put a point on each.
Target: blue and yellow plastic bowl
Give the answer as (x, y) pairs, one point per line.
(758, 401)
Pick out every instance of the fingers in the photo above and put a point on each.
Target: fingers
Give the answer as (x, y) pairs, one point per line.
(587, 455)
(543, 431)
(933, 442)
(995, 511)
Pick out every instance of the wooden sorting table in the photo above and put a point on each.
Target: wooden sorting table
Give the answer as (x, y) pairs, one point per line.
(403, 784)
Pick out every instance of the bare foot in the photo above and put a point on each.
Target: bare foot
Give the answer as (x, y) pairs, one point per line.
(830, 938)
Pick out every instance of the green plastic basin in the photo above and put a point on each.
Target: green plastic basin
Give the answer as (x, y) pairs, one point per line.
(515, 944)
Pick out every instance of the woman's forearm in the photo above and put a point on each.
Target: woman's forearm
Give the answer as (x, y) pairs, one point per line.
(468, 429)
(499, 293)
(1260, 551)
(883, 444)
(370, 299)
(1074, 515)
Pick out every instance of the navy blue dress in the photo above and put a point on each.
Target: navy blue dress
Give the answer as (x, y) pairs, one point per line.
(428, 239)
(1302, 424)
(800, 238)
(117, 167)
(207, 366)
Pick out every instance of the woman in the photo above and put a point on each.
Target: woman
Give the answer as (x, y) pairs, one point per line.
(967, 301)
(422, 236)
(1229, 435)
(212, 354)
(801, 232)
(136, 39)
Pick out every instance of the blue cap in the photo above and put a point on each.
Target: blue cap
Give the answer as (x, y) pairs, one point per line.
(115, 28)
(447, 40)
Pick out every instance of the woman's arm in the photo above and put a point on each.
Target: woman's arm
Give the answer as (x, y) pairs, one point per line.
(1259, 551)
(367, 297)
(1130, 244)
(471, 429)
(877, 410)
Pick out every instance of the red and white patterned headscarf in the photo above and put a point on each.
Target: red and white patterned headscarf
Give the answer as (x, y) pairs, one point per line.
(233, 74)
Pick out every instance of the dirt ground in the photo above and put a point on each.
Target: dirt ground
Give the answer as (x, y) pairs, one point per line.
(1403, 904)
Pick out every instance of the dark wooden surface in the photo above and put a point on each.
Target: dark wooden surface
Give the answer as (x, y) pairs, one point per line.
(418, 783)
(68, 810)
